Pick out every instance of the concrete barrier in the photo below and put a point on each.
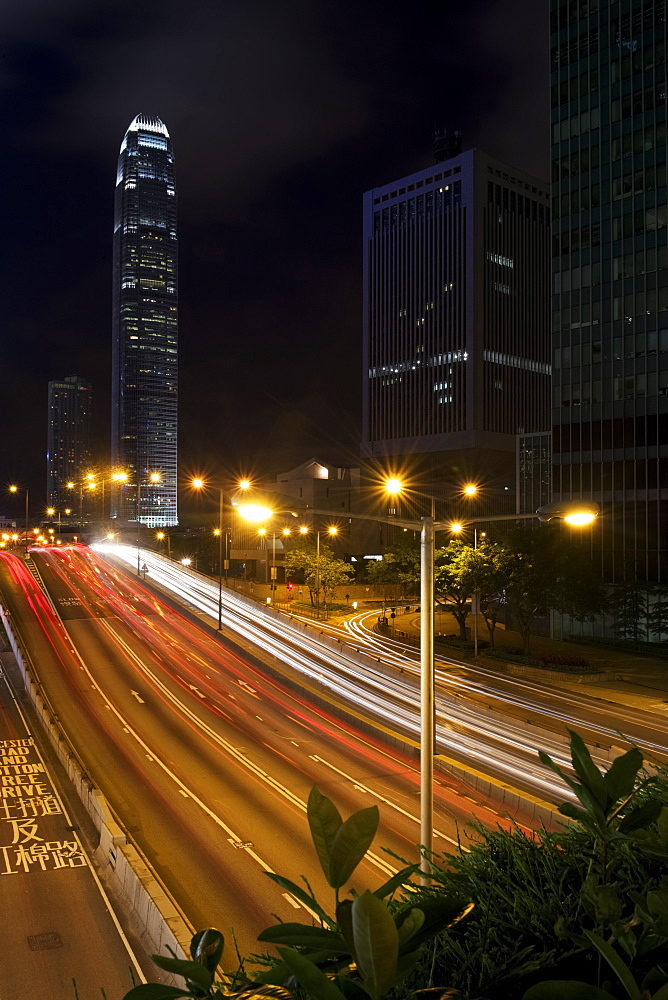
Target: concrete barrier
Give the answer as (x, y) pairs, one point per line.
(153, 915)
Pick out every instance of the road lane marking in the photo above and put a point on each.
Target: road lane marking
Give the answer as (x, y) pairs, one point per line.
(174, 777)
(225, 745)
(135, 694)
(387, 802)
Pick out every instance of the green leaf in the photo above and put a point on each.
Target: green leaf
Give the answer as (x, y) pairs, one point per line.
(410, 925)
(376, 943)
(642, 816)
(439, 912)
(565, 989)
(661, 994)
(397, 881)
(192, 972)
(313, 979)
(304, 936)
(156, 991)
(621, 776)
(617, 964)
(344, 918)
(663, 823)
(587, 772)
(304, 897)
(207, 947)
(324, 821)
(573, 812)
(352, 841)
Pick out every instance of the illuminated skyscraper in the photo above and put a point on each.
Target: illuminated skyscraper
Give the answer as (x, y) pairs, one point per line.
(610, 276)
(68, 452)
(145, 327)
(456, 318)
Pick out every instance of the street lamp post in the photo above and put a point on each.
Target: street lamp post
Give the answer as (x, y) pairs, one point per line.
(223, 563)
(154, 477)
(15, 489)
(261, 507)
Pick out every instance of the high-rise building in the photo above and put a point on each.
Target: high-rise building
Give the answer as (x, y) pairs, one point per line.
(68, 453)
(610, 275)
(145, 292)
(456, 318)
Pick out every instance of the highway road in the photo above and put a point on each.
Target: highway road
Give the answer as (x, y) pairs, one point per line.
(486, 720)
(207, 760)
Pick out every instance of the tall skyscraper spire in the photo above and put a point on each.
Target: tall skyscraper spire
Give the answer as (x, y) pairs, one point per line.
(145, 326)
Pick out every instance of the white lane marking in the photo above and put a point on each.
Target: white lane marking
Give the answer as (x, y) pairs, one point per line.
(135, 694)
(291, 900)
(375, 859)
(377, 795)
(161, 763)
(184, 794)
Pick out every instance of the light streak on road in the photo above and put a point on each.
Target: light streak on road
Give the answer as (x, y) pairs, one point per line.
(493, 746)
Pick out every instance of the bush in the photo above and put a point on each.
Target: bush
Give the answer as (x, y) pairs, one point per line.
(457, 643)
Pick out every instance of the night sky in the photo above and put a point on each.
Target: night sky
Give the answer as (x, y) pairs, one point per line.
(281, 116)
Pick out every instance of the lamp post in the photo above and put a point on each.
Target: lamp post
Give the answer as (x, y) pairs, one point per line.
(162, 536)
(15, 489)
(154, 477)
(262, 507)
(198, 483)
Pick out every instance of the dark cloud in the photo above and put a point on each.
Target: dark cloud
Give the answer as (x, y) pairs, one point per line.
(281, 116)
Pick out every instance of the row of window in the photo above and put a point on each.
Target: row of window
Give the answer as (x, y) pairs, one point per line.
(638, 345)
(408, 211)
(511, 201)
(633, 182)
(625, 387)
(417, 184)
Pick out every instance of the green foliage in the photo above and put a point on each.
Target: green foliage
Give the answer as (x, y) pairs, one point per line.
(364, 951)
(399, 566)
(321, 574)
(546, 570)
(369, 945)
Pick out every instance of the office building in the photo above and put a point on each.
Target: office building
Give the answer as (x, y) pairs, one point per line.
(610, 276)
(145, 294)
(68, 453)
(456, 319)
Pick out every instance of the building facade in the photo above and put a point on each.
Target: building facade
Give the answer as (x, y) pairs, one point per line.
(68, 453)
(610, 275)
(145, 327)
(456, 319)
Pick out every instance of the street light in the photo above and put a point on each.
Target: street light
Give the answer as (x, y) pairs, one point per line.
(576, 512)
(332, 530)
(15, 489)
(198, 483)
(154, 477)
(161, 536)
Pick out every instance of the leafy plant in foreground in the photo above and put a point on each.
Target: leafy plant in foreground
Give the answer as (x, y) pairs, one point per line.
(360, 952)
(631, 946)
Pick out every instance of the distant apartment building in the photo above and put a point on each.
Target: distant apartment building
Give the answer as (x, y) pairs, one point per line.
(456, 319)
(68, 453)
(610, 276)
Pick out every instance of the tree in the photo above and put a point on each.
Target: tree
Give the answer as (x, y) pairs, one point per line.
(657, 619)
(455, 580)
(630, 606)
(303, 559)
(490, 579)
(547, 571)
(400, 566)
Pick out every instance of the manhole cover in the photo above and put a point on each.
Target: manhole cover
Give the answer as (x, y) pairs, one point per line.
(41, 942)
